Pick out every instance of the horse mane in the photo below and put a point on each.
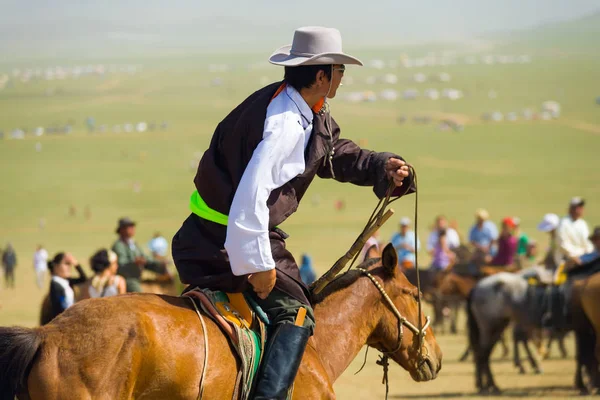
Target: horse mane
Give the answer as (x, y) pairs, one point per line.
(343, 281)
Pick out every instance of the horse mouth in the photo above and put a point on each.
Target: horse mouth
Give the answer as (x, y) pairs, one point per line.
(428, 371)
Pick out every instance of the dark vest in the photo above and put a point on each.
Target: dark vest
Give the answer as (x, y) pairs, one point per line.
(198, 247)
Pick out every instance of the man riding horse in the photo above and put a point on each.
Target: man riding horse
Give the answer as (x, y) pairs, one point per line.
(260, 162)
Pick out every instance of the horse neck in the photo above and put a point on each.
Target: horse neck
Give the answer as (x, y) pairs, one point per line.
(465, 285)
(345, 320)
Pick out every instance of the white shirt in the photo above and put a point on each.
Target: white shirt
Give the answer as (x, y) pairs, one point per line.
(69, 293)
(40, 260)
(277, 159)
(573, 237)
(452, 239)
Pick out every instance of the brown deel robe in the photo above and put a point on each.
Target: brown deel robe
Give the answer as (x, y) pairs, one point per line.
(198, 246)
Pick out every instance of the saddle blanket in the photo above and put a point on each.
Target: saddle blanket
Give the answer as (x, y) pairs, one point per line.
(246, 331)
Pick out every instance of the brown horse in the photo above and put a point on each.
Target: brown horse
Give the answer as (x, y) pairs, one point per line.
(145, 346)
(586, 324)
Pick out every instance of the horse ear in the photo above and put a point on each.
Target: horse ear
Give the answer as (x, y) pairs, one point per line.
(389, 259)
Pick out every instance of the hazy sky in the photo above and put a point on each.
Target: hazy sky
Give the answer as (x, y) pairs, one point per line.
(210, 24)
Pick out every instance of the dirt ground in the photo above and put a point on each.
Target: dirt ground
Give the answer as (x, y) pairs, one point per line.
(456, 379)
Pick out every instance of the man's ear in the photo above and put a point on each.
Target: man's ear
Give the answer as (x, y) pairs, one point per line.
(389, 259)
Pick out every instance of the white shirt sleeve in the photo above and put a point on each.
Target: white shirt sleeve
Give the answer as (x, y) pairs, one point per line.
(566, 241)
(277, 159)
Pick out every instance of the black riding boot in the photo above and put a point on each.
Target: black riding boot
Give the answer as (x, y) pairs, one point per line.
(281, 362)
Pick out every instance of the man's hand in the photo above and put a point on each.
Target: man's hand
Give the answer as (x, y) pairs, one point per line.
(263, 282)
(396, 170)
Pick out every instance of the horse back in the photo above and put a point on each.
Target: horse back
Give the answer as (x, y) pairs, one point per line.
(131, 346)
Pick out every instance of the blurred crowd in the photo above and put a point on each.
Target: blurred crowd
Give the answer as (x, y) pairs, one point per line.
(570, 242)
(116, 270)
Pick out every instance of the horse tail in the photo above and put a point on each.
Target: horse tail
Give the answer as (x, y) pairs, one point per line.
(18, 348)
(472, 324)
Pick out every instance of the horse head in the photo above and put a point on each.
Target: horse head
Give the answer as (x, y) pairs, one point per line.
(402, 332)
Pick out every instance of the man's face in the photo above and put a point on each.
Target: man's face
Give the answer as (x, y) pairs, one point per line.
(578, 212)
(403, 229)
(129, 231)
(336, 79)
(442, 223)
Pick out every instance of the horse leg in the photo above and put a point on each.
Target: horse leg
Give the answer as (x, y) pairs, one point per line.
(560, 337)
(516, 357)
(453, 316)
(465, 355)
(532, 360)
(505, 350)
(496, 333)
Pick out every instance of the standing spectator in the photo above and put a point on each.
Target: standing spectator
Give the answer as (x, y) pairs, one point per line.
(158, 246)
(307, 272)
(573, 233)
(483, 235)
(9, 262)
(40, 265)
(62, 295)
(507, 244)
(105, 282)
(443, 257)
(404, 243)
(132, 260)
(452, 237)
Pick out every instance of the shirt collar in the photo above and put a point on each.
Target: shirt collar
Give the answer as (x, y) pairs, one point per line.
(303, 107)
(62, 281)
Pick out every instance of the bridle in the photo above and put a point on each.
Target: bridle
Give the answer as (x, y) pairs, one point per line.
(402, 321)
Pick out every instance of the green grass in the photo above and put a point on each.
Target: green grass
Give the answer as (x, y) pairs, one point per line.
(525, 168)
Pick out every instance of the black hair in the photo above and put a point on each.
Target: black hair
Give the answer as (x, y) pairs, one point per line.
(442, 232)
(100, 261)
(58, 258)
(304, 76)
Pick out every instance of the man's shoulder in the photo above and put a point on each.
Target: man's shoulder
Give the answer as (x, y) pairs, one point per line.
(118, 245)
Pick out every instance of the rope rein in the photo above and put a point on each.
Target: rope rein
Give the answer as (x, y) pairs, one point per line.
(376, 219)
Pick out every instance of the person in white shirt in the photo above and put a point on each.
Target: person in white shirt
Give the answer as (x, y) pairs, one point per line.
(573, 233)
(40, 265)
(452, 238)
(261, 160)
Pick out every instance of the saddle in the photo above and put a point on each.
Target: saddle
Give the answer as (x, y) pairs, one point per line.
(585, 270)
(245, 326)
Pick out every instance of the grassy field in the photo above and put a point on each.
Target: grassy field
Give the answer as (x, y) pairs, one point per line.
(522, 168)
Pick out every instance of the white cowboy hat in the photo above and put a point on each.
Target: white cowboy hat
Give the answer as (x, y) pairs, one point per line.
(549, 223)
(313, 45)
(404, 221)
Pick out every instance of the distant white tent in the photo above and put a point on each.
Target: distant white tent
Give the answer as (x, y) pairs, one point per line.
(410, 94)
(444, 77)
(551, 107)
(497, 116)
(420, 77)
(432, 94)
(390, 79)
(377, 64)
(389, 95)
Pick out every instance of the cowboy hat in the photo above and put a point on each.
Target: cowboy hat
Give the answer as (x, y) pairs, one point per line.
(313, 45)
(549, 223)
(123, 223)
